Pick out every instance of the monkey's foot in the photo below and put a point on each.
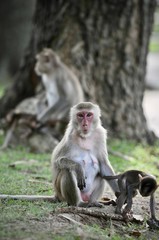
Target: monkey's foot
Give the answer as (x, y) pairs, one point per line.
(153, 223)
(117, 194)
(127, 215)
(118, 211)
(95, 204)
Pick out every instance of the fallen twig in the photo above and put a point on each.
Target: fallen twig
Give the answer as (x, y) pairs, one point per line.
(90, 212)
(98, 214)
(66, 216)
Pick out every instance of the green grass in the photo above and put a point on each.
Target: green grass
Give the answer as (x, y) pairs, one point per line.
(4, 85)
(1, 92)
(143, 158)
(32, 167)
(33, 175)
(154, 46)
(154, 41)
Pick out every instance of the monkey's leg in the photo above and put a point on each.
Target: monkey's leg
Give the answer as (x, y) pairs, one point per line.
(98, 188)
(152, 207)
(153, 222)
(130, 192)
(69, 189)
(120, 202)
(122, 197)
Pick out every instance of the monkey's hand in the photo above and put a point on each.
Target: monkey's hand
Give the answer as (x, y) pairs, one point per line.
(80, 177)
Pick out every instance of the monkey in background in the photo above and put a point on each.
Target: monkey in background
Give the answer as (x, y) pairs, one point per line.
(80, 161)
(63, 89)
(131, 181)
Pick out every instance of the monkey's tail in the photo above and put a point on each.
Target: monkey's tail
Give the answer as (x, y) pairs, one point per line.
(29, 197)
(112, 177)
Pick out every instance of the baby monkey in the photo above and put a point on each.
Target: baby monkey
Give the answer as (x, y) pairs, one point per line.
(130, 182)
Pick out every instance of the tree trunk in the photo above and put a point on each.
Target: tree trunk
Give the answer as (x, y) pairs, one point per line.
(106, 44)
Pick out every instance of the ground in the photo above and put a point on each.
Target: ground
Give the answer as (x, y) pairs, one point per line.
(70, 223)
(28, 221)
(22, 172)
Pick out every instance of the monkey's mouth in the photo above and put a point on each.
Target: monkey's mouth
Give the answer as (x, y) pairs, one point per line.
(85, 128)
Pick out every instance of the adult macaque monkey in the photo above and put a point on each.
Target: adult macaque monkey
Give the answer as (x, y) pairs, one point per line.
(131, 181)
(63, 89)
(80, 160)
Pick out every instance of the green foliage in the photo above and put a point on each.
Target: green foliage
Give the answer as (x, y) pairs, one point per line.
(22, 172)
(154, 46)
(154, 41)
(31, 167)
(141, 158)
(1, 90)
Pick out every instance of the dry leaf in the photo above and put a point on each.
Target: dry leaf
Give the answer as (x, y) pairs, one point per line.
(138, 218)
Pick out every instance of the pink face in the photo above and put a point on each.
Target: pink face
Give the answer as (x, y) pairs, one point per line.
(85, 119)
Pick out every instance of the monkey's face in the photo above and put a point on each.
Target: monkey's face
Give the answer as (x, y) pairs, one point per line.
(85, 121)
(47, 62)
(148, 186)
(85, 118)
(43, 64)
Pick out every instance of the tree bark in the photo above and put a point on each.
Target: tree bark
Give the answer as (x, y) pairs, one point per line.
(106, 44)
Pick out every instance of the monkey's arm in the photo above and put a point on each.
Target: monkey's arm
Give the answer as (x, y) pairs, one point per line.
(152, 207)
(104, 164)
(59, 109)
(153, 222)
(130, 194)
(106, 170)
(65, 163)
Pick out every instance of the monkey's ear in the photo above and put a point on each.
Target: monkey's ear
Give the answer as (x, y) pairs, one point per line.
(140, 177)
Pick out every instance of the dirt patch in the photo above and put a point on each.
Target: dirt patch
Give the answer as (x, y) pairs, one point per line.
(64, 222)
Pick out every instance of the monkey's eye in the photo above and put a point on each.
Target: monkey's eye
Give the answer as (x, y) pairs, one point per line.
(80, 115)
(89, 114)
